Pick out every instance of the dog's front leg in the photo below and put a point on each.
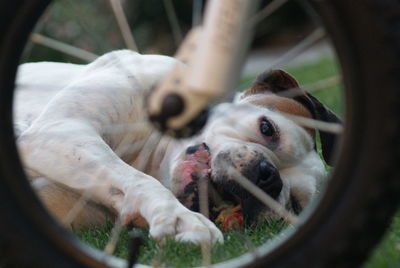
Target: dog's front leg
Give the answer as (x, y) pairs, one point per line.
(72, 153)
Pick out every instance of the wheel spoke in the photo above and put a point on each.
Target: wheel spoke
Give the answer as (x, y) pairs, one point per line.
(306, 43)
(203, 184)
(312, 87)
(121, 128)
(334, 128)
(80, 204)
(265, 12)
(80, 18)
(143, 147)
(123, 25)
(148, 149)
(206, 253)
(203, 196)
(197, 12)
(63, 47)
(115, 233)
(262, 196)
(323, 83)
(77, 208)
(173, 21)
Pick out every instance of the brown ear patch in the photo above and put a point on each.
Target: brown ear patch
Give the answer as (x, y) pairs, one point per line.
(282, 104)
(273, 81)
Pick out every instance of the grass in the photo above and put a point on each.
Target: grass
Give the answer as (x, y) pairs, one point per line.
(172, 253)
(387, 253)
(176, 254)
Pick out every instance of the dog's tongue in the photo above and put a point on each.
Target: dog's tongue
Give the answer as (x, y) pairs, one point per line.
(196, 163)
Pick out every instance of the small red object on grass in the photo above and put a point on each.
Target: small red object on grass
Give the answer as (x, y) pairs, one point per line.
(233, 222)
(230, 218)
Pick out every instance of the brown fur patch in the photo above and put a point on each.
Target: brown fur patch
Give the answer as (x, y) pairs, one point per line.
(59, 201)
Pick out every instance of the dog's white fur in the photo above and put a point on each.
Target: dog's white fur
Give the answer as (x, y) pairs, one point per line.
(74, 123)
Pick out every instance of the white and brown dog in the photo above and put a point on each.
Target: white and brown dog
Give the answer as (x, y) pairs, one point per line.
(82, 129)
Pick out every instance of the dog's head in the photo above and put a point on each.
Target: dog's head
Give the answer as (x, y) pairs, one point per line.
(253, 137)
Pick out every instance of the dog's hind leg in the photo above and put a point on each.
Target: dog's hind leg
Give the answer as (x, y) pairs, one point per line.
(60, 201)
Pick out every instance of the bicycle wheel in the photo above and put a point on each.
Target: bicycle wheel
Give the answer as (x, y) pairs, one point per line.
(363, 186)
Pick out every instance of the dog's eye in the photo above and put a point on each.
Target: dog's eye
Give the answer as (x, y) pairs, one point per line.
(266, 128)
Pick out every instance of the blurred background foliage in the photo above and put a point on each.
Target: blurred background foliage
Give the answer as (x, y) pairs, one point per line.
(91, 25)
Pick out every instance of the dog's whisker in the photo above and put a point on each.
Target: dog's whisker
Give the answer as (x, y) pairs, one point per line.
(123, 25)
(114, 237)
(263, 197)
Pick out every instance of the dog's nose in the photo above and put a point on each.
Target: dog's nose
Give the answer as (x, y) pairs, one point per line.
(198, 147)
(268, 179)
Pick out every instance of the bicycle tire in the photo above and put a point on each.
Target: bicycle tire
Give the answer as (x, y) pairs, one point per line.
(361, 196)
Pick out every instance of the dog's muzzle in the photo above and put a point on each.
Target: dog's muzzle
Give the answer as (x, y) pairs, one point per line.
(260, 172)
(223, 188)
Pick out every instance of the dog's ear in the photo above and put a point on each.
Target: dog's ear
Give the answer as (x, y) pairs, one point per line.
(322, 113)
(274, 81)
(283, 84)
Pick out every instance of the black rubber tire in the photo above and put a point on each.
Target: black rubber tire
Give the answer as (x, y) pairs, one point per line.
(28, 236)
(351, 216)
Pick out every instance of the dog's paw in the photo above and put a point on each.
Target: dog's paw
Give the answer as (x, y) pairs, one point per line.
(185, 226)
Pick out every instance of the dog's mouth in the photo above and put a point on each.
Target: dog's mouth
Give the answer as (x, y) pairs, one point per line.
(195, 167)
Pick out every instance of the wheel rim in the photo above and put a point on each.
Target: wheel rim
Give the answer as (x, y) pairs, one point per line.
(276, 253)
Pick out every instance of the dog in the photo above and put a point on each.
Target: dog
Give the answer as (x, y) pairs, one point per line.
(82, 130)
